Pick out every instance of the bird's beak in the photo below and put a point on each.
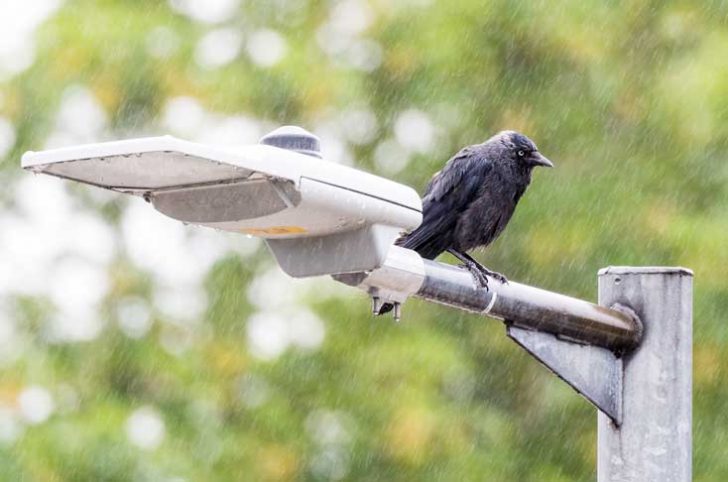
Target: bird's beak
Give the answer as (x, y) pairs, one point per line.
(539, 159)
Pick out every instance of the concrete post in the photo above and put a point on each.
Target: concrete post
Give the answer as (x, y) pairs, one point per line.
(654, 441)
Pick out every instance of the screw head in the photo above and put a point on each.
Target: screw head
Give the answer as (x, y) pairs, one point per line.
(293, 138)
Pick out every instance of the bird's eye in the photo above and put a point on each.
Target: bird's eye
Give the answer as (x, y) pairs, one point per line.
(521, 153)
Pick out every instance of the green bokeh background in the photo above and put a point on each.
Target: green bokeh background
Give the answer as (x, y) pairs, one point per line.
(628, 98)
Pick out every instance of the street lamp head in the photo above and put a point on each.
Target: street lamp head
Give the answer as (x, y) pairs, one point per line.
(318, 217)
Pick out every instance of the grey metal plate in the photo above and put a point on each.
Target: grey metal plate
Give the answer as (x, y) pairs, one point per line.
(147, 171)
(217, 203)
(594, 372)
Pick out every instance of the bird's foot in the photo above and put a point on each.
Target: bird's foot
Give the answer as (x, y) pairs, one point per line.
(495, 275)
(480, 274)
(480, 278)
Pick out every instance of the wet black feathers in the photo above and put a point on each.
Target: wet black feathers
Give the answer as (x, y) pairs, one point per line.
(469, 202)
(447, 196)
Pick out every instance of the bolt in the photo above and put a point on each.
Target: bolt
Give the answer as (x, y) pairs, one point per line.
(397, 311)
(376, 305)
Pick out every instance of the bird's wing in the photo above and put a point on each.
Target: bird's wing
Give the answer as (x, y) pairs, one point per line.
(448, 194)
(446, 179)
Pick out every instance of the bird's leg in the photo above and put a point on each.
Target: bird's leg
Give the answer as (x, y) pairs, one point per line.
(486, 271)
(479, 272)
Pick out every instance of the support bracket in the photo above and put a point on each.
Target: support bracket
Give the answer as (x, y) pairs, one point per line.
(594, 372)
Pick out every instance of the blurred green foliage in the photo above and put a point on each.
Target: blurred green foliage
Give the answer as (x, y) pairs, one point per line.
(630, 100)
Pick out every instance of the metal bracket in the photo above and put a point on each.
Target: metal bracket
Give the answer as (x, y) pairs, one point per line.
(400, 276)
(594, 372)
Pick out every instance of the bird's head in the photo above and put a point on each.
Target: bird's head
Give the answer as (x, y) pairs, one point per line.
(520, 149)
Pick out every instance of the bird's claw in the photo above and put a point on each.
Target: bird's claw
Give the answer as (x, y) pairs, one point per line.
(480, 278)
(481, 273)
(498, 276)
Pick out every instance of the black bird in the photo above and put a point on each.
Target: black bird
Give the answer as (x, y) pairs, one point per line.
(469, 202)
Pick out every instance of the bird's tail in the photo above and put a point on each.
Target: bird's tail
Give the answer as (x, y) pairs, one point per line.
(385, 308)
(423, 242)
(402, 241)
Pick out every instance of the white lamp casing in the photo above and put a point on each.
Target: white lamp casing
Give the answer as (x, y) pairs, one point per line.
(318, 217)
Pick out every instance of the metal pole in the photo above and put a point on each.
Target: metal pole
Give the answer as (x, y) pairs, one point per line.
(405, 273)
(654, 441)
(532, 308)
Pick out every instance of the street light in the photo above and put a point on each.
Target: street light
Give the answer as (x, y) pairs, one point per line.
(322, 218)
(317, 217)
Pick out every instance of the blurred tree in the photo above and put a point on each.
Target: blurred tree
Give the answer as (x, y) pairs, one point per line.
(132, 348)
